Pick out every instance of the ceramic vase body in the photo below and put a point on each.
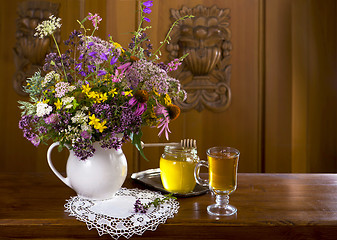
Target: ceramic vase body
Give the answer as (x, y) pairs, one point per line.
(98, 177)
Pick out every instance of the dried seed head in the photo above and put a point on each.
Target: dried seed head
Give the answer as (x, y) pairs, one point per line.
(174, 111)
(142, 96)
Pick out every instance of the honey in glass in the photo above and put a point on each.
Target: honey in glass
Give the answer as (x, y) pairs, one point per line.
(177, 169)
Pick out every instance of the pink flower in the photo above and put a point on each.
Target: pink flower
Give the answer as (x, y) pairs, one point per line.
(95, 19)
(140, 98)
(125, 66)
(164, 127)
(117, 76)
(160, 110)
(173, 65)
(141, 107)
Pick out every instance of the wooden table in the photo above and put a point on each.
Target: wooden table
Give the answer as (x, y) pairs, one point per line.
(270, 206)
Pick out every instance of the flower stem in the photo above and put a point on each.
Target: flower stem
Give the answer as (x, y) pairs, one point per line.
(167, 38)
(58, 50)
(139, 29)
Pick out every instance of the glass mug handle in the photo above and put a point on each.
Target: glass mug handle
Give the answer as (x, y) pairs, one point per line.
(198, 179)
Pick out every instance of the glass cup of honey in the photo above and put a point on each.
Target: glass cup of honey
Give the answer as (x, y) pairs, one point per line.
(177, 169)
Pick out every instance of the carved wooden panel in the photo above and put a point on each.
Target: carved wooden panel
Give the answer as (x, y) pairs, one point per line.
(30, 51)
(206, 71)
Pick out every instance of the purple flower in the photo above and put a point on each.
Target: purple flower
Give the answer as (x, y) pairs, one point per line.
(79, 66)
(83, 73)
(52, 119)
(91, 68)
(101, 73)
(114, 142)
(104, 57)
(93, 54)
(35, 140)
(139, 207)
(147, 10)
(85, 135)
(148, 3)
(147, 19)
(25, 124)
(113, 60)
(83, 148)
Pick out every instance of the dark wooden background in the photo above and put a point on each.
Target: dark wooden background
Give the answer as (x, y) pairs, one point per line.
(283, 112)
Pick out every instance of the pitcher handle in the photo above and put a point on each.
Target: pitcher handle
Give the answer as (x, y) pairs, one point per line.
(198, 179)
(50, 163)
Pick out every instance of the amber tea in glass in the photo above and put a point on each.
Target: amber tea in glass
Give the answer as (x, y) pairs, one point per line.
(222, 168)
(222, 171)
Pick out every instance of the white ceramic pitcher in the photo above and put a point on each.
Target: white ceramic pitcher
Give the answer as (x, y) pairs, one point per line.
(98, 177)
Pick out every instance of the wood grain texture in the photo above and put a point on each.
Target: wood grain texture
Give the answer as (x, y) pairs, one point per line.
(238, 126)
(278, 86)
(300, 86)
(284, 206)
(283, 111)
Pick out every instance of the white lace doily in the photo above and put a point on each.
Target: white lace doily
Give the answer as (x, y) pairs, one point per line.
(117, 216)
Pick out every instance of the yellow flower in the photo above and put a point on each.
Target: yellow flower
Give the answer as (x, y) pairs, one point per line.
(113, 92)
(92, 94)
(100, 127)
(105, 78)
(93, 120)
(103, 97)
(97, 100)
(167, 100)
(118, 46)
(156, 93)
(58, 104)
(128, 93)
(86, 88)
(44, 101)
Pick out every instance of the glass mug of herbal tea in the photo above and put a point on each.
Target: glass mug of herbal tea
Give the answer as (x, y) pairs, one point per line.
(222, 168)
(177, 169)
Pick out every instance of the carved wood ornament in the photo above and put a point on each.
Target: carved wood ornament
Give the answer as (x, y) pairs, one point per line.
(205, 73)
(30, 51)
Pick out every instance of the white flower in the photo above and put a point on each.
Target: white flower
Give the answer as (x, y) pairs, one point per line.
(71, 88)
(48, 27)
(86, 127)
(79, 117)
(61, 88)
(67, 100)
(43, 109)
(50, 76)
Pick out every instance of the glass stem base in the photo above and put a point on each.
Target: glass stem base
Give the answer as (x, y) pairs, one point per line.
(221, 207)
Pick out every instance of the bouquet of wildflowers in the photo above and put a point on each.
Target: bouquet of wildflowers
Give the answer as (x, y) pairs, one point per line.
(99, 91)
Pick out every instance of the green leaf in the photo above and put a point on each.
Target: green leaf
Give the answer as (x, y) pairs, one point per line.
(75, 104)
(136, 140)
(60, 148)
